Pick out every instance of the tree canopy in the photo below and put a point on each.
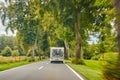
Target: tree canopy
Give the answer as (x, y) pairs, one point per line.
(43, 23)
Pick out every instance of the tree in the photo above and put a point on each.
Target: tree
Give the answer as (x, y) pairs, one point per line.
(7, 41)
(74, 14)
(66, 35)
(91, 50)
(111, 70)
(44, 45)
(15, 53)
(116, 5)
(23, 16)
(7, 51)
(49, 26)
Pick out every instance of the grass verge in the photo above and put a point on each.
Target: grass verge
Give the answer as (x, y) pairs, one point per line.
(12, 65)
(92, 70)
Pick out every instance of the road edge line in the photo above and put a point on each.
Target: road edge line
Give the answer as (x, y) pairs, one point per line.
(75, 72)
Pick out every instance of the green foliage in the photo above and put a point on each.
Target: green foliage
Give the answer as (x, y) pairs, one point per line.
(102, 3)
(23, 16)
(37, 53)
(91, 50)
(46, 23)
(110, 57)
(29, 59)
(44, 44)
(96, 57)
(7, 41)
(111, 70)
(20, 50)
(64, 33)
(15, 53)
(87, 55)
(78, 61)
(107, 40)
(105, 44)
(60, 43)
(50, 23)
(7, 51)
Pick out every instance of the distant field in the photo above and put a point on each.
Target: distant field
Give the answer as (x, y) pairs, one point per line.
(11, 62)
(4, 60)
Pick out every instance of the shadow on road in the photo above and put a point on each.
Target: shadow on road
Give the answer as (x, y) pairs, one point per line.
(57, 62)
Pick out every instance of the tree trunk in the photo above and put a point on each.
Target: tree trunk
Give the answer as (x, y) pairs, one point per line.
(32, 53)
(78, 38)
(116, 4)
(118, 37)
(39, 56)
(66, 50)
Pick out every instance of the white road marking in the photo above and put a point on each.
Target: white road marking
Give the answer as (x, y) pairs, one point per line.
(75, 72)
(40, 67)
(47, 63)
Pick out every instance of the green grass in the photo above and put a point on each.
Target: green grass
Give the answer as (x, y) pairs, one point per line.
(10, 62)
(111, 56)
(12, 65)
(92, 70)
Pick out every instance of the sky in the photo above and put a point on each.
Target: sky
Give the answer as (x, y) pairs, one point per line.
(2, 28)
(3, 32)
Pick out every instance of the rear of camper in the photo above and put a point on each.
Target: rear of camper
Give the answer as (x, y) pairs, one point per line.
(57, 54)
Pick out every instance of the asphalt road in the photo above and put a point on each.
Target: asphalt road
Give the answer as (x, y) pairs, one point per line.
(40, 71)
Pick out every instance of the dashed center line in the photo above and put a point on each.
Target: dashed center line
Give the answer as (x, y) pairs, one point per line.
(40, 67)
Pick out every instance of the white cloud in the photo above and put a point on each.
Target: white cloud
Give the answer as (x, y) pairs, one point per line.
(2, 0)
(3, 32)
(9, 33)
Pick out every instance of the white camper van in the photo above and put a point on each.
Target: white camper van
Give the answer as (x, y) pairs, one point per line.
(57, 54)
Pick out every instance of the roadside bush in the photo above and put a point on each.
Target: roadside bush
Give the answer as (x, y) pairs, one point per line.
(15, 53)
(78, 61)
(96, 57)
(30, 51)
(29, 59)
(111, 70)
(110, 57)
(4, 60)
(43, 57)
(7, 51)
(87, 55)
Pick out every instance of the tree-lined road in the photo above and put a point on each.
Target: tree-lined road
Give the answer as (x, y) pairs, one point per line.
(39, 71)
